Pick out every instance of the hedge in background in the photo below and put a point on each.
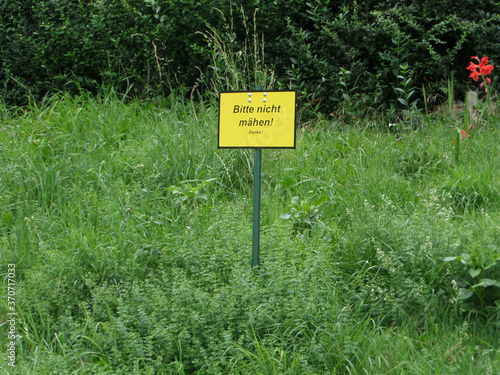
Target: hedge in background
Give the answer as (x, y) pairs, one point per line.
(360, 48)
(343, 54)
(147, 46)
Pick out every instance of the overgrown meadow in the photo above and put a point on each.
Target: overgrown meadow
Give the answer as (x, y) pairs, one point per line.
(131, 235)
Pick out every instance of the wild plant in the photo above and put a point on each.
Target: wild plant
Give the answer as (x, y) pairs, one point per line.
(480, 69)
(480, 100)
(237, 66)
(398, 258)
(187, 194)
(461, 136)
(477, 275)
(304, 214)
(451, 93)
(346, 95)
(308, 98)
(111, 281)
(405, 92)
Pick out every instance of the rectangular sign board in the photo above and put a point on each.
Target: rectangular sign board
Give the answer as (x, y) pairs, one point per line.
(257, 119)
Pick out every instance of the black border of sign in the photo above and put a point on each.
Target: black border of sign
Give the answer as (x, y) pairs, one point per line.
(254, 147)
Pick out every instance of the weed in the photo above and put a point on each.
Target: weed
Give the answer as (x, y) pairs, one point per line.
(479, 272)
(131, 236)
(187, 194)
(304, 214)
(405, 95)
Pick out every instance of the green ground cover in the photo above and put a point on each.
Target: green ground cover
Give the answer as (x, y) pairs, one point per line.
(130, 236)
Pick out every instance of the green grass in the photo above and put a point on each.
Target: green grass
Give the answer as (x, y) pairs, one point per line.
(117, 271)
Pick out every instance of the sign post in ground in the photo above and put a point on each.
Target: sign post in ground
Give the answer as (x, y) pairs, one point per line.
(257, 119)
(256, 207)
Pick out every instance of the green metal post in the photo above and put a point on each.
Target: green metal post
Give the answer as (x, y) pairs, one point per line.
(256, 207)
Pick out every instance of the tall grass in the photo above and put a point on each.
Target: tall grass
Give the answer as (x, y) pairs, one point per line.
(235, 68)
(117, 274)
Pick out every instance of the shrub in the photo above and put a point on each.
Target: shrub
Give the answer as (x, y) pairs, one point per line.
(372, 39)
(345, 55)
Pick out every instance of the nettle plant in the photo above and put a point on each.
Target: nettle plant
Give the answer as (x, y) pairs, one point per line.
(304, 214)
(477, 276)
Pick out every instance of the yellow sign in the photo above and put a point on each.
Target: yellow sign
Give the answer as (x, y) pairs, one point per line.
(257, 119)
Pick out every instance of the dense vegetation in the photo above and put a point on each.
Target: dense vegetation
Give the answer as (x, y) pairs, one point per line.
(131, 239)
(343, 54)
(125, 234)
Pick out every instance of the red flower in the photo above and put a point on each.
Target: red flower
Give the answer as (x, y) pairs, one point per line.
(474, 72)
(464, 135)
(482, 69)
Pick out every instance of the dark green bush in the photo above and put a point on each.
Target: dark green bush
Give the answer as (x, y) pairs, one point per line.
(373, 39)
(342, 56)
(148, 47)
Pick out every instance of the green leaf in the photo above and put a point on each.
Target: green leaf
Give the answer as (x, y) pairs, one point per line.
(487, 282)
(474, 272)
(464, 258)
(322, 199)
(449, 259)
(402, 101)
(465, 293)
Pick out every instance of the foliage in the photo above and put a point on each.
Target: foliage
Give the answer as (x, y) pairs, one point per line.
(143, 46)
(235, 65)
(405, 91)
(373, 39)
(188, 194)
(304, 214)
(150, 48)
(479, 271)
(123, 266)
